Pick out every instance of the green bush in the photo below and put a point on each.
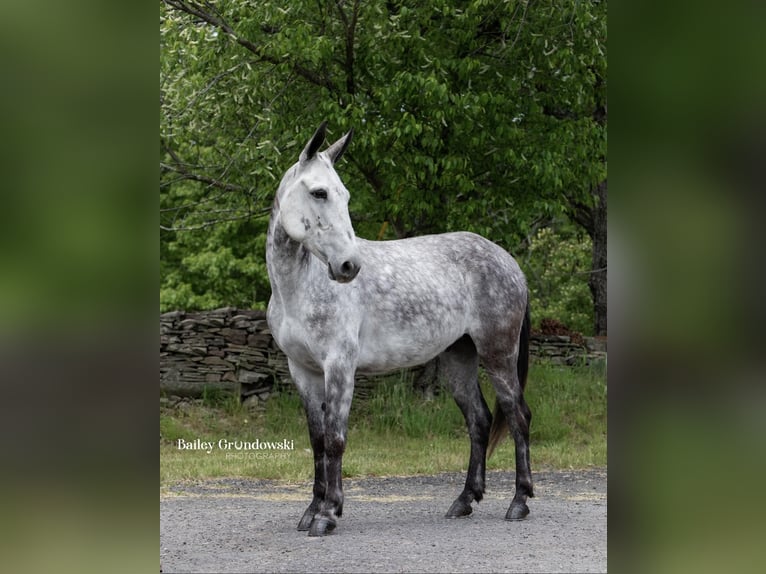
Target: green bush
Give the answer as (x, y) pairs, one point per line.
(557, 272)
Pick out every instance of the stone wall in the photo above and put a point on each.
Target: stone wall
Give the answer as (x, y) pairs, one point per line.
(230, 349)
(233, 350)
(568, 350)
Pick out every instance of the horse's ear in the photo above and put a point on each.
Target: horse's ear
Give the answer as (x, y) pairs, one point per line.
(315, 143)
(336, 150)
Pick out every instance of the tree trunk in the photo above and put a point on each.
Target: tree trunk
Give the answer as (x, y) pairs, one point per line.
(597, 280)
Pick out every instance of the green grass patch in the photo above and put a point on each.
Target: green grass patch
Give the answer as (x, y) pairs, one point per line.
(394, 431)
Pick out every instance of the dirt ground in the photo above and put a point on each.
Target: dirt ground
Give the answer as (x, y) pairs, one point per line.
(391, 524)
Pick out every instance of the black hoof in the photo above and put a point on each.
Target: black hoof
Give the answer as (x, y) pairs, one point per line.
(305, 522)
(517, 512)
(458, 509)
(322, 526)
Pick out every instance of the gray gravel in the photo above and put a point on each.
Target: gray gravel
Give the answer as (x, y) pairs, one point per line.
(389, 525)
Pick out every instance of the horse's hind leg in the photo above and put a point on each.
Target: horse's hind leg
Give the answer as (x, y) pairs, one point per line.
(458, 366)
(520, 431)
(311, 389)
(502, 371)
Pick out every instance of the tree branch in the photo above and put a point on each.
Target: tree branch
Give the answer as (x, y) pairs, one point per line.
(202, 178)
(179, 167)
(210, 15)
(350, 27)
(212, 222)
(582, 214)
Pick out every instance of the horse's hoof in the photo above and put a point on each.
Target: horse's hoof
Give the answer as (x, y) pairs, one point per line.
(458, 509)
(322, 526)
(517, 512)
(305, 522)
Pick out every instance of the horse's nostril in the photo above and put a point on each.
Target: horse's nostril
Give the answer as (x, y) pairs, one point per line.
(344, 272)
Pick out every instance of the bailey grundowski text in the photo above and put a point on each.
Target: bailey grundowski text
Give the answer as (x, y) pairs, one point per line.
(232, 445)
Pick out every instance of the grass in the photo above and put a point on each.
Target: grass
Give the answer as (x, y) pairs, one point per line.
(392, 432)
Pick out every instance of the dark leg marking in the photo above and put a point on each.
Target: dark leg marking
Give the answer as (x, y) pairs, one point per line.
(458, 367)
(339, 385)
(311, 389)
(502, 370)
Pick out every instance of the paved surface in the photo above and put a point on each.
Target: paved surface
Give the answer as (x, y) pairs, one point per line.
(389, 525)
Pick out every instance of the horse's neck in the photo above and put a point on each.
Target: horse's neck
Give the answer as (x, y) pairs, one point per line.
(287, 260)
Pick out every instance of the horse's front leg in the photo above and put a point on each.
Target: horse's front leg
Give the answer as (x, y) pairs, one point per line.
(339, 390)
(311, 389)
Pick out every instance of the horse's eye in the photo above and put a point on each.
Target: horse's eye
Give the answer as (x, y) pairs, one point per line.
(319, 194)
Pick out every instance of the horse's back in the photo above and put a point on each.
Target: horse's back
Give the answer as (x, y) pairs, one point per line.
(460, 260)
(420, 295)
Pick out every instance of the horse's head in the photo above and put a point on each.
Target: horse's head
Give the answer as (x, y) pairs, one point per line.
(313, 207)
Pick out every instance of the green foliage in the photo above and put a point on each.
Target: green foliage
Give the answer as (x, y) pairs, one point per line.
(396, 408)
(216, 397)
(568, 404)
(284, 414)
(477, 116)
(557, 273)
(224, 266)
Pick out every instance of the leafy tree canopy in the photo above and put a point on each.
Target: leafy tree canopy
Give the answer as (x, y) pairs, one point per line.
(478, 115)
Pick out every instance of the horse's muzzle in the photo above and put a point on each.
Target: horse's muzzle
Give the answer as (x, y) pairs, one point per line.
(345, 272)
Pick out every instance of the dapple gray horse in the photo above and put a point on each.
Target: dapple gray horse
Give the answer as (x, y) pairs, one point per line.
(342, 305)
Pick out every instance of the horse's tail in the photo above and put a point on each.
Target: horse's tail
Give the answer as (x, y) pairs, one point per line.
(499, 429)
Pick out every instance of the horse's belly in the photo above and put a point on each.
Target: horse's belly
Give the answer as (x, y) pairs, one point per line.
(382, 351)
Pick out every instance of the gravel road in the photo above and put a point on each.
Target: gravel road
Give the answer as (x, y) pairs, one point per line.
(391, 524)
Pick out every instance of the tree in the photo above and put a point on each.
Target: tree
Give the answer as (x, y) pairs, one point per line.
(593, 219)
(471, 115)
(554, 264)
